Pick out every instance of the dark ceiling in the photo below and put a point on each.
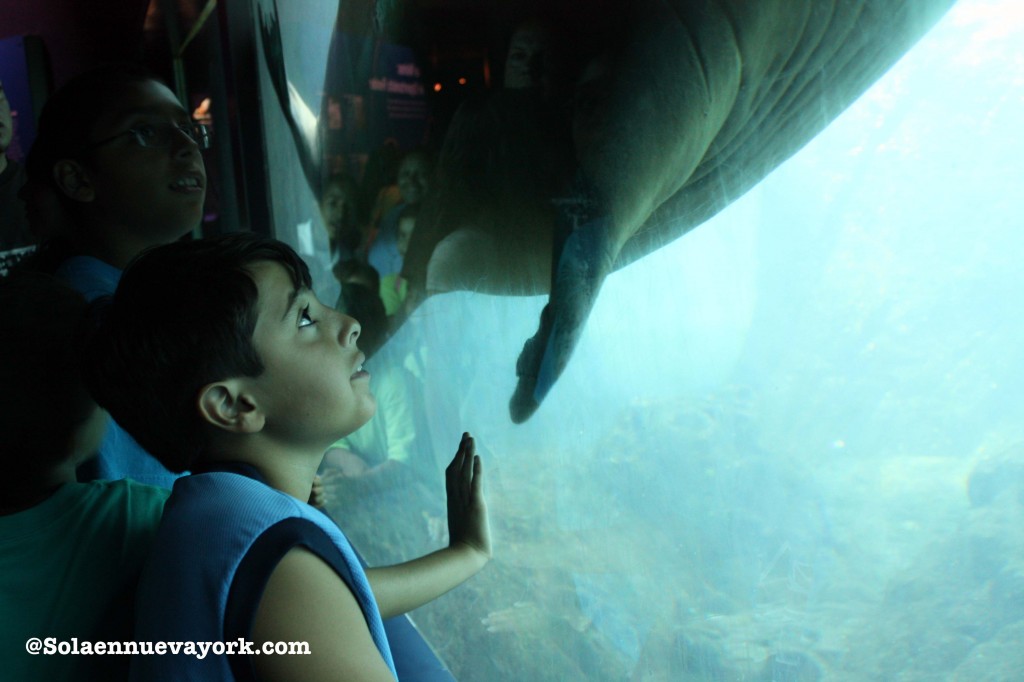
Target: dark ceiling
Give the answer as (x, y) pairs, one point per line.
(444, 33)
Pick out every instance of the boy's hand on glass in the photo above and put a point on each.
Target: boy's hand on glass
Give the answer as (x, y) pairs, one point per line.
(467, 508)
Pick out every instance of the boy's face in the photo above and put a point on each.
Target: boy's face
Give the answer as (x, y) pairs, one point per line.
(313, 389)
(152, 195)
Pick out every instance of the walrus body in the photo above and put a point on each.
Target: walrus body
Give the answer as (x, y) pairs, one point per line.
(690, 104)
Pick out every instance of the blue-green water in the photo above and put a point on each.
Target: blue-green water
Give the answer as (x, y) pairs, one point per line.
(791, 444)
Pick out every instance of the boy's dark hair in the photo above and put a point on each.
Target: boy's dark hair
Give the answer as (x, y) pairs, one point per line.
(69, 117)
(43, 399)
(354, 269)
(66, 128)
(182, 317)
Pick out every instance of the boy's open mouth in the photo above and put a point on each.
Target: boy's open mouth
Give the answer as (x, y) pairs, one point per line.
(359, 372)
(188, 183)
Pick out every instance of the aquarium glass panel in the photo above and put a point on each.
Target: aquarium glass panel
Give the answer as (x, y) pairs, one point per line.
(789, 444)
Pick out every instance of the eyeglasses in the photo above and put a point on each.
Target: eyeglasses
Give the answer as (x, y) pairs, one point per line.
(160, 135)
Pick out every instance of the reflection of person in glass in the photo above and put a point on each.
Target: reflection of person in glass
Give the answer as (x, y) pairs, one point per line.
(414, 181)
(339, 208)
(506, 154)
(525, 60)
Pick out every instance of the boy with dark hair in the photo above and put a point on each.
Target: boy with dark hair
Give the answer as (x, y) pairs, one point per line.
(70, 553)
(121, 156)
(240, 374)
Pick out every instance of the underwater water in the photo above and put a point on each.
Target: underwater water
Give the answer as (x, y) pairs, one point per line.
(790, 445)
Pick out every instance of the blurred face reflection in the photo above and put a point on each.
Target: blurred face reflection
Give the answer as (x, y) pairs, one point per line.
(413, 179)
(335, 210)
(524, 65)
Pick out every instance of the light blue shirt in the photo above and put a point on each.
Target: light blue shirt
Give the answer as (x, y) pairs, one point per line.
(185, 592)
(383, 254)
(119, 455)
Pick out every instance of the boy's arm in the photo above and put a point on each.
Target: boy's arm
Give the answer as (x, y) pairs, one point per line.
(306, 601)
(402, 588)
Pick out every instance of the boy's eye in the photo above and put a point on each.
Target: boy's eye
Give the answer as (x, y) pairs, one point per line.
(145, 131)
(304, 319)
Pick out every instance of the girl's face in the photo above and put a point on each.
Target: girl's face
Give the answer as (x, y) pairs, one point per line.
(144, 194)
(336, 210)
(524, 65)
(413, 179)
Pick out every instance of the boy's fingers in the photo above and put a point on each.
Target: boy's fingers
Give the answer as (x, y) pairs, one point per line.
(478, 467)
(460, 468)
(460, 452)
(469, 456)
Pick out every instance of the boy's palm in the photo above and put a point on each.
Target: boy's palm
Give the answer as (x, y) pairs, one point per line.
(467, 508)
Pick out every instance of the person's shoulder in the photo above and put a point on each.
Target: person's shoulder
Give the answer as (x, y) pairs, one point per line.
(227, 493)
(392, 215)
(140, 491)
(13, 175)
(89, 276)
(121, 515)
(138, 499)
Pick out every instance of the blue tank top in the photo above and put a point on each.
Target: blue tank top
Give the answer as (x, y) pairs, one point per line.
(221, 537)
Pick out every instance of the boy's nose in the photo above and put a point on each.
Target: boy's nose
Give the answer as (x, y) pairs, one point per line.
(349, 332)
(183, 145)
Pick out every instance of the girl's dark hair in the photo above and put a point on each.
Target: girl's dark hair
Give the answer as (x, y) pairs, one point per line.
(182, 317)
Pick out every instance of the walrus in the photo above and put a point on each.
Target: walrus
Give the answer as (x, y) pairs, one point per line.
(666, 112)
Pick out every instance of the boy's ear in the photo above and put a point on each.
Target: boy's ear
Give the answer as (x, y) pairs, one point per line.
(73, 180)
(225, 405)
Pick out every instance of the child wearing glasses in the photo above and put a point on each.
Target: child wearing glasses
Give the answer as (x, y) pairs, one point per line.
(115, 168)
